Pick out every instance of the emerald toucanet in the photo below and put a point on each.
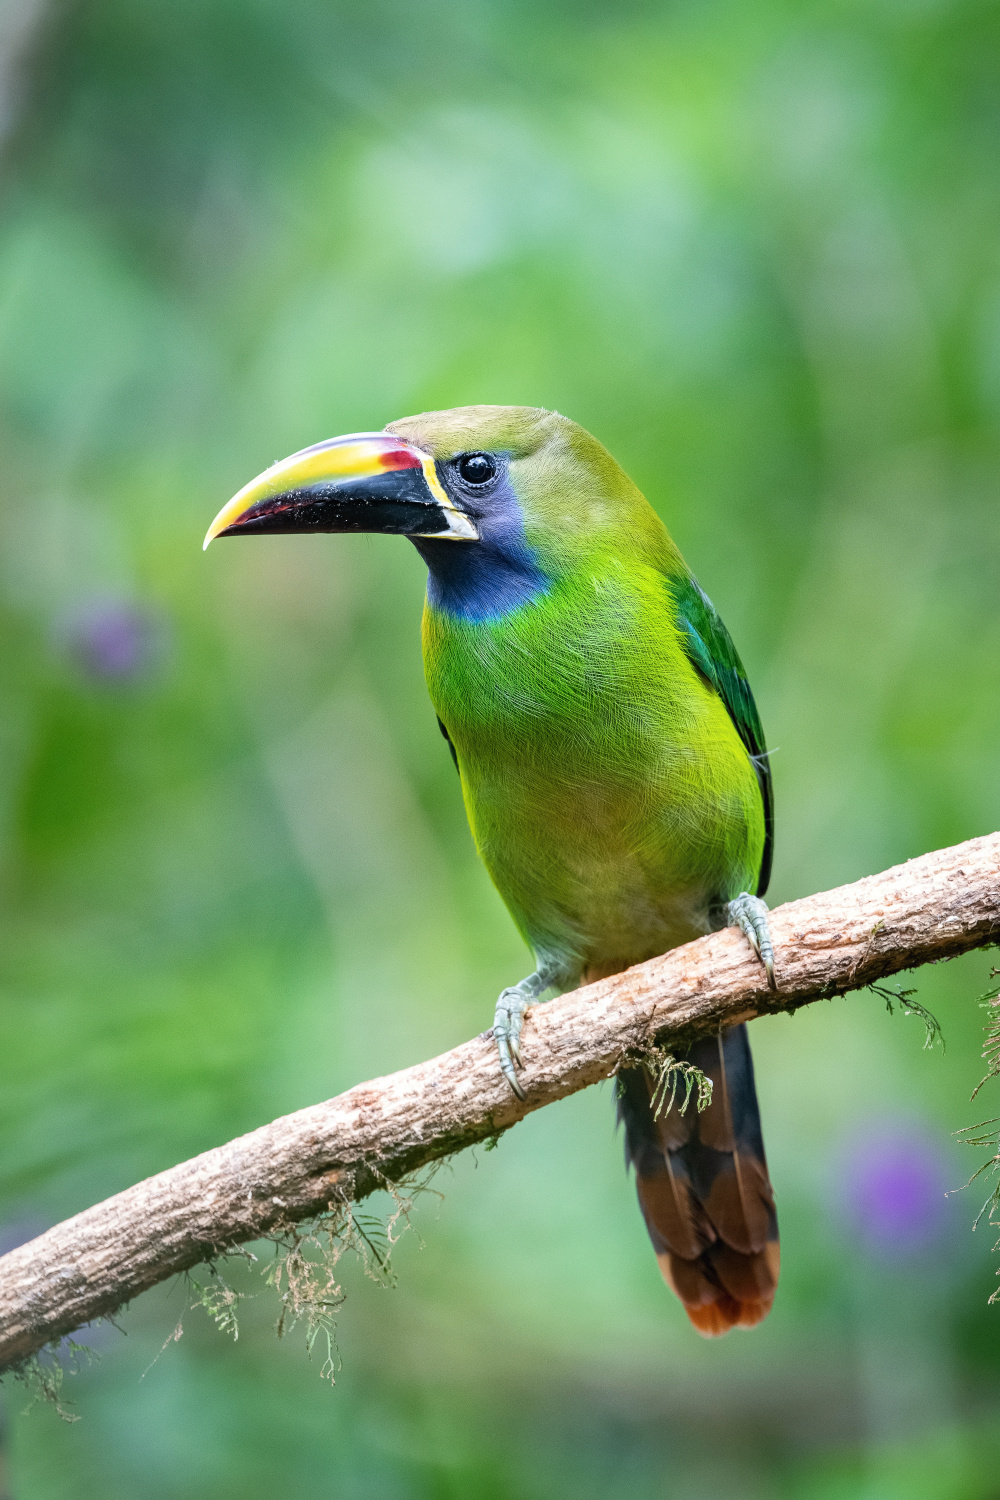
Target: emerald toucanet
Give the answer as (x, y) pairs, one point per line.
(611, 757)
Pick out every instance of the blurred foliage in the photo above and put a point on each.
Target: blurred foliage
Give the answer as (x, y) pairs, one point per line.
(754, 249)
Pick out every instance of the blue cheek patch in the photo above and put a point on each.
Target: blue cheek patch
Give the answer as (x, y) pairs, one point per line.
(484, 580)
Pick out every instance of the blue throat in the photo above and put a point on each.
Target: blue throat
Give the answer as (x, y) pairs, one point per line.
(480, 581)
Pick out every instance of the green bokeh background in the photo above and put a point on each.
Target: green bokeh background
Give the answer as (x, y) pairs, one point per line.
(755, 249)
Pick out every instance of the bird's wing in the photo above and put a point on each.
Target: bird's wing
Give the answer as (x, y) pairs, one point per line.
(710, 648)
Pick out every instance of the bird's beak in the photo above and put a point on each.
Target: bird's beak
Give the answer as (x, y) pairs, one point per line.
(368, 481)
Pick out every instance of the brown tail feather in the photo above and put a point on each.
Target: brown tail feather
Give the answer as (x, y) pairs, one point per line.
(704, 1190)
(748, 1278)
(670, 1207)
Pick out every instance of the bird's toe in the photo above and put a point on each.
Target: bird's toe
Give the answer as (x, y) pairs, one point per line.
(749, 914)
(507, 1033)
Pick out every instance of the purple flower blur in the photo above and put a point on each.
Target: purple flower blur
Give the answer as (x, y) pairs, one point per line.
(115, 641)
(893, 1185)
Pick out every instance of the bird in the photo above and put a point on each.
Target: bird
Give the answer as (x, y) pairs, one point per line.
(612, 763)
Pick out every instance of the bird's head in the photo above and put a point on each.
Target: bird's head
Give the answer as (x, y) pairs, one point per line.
(499, 500)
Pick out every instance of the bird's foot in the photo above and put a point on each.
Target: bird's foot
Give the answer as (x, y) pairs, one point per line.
(749, 914)
(510, 1011)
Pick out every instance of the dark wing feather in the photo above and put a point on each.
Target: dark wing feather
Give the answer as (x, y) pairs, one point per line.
(710, 649)
(451, 743)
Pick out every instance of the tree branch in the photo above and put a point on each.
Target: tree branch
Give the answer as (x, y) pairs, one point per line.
(379, 1132)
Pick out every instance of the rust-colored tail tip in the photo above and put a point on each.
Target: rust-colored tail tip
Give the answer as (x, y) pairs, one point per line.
(713, 1307)
(716, 1318)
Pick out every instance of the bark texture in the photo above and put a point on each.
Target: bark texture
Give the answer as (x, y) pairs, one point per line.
(930, 908)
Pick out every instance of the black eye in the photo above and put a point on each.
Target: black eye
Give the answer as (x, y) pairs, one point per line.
(477, 468)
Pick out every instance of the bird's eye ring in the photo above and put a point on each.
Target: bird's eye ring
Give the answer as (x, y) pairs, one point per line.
(476, 468)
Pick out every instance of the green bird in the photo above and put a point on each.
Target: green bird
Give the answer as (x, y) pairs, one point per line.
(611, 757)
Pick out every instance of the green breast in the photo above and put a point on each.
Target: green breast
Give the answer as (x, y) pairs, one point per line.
(607, 790)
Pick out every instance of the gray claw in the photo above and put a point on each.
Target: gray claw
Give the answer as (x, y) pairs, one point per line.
(511, 1076)
(749, 914)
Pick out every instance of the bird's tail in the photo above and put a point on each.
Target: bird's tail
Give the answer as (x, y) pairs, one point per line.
(704, 1189)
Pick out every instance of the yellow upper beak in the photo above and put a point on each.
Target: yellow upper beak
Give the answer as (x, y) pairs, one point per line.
(367, 481)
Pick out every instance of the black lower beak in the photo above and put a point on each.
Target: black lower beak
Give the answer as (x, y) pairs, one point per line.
(396, 502)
